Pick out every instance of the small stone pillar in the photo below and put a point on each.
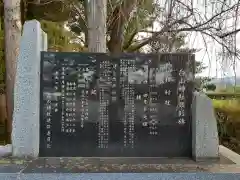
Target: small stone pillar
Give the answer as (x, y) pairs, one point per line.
(25, 130)
(205, 142)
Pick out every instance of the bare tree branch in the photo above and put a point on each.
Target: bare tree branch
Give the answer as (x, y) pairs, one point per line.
(229, 33)
(172, 16)
(197, 26)
(129, 41)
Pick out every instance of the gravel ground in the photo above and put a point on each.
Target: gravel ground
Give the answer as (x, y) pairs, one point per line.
(114, 165)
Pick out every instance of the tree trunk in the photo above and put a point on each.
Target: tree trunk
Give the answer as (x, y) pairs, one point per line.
(12, 32)
(97, 15)
(120, 16)
(86, 11)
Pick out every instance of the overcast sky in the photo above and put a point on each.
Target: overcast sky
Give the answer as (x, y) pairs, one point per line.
(210, 48)
(217, 67)
(209, 57)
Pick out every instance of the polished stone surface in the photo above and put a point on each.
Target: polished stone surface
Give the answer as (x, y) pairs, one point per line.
(141, 119)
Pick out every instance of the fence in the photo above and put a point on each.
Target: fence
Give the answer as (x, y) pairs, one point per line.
(223, 96)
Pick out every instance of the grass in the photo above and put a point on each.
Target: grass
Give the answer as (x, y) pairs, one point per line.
(228, 117)
(228, 106)
(6, 161)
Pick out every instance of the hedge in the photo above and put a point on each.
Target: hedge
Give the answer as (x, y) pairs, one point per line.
(228, 119)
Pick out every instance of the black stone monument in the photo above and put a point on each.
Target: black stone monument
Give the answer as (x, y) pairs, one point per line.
(131, 105)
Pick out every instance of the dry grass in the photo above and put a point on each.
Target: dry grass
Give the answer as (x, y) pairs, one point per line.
(228, 116)
(230, 106)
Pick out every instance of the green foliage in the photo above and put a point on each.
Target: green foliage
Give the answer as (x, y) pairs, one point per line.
(199, 68)
(52, 16)
(210, 87)
(228, 119)
(201, 81)
(56, 11)
(59, 39)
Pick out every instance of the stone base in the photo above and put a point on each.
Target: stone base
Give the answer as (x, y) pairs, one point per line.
(207, 159)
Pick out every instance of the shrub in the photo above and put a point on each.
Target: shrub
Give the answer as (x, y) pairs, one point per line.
(210, 87)
(228, 120)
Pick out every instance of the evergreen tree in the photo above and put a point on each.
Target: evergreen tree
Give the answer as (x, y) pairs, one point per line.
(60, 39)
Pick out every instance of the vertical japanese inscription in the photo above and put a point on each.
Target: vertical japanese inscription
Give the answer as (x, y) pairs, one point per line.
(130, 98)
(168, 69)
(181, 97)
(114, 82)
(48, 121)
(152, 99)
(145, 108)
(70, 116)
(104, 98)
(83, 85)
(128, 94)
(123, 75)
(56, 82)
(63, 98)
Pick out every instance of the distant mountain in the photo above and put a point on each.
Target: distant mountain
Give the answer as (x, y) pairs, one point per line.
(226, 80)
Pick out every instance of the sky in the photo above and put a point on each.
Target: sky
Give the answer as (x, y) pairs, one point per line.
(217, 66)
(209, 48)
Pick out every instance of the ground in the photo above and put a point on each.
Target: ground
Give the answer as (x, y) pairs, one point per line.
(80, 165)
